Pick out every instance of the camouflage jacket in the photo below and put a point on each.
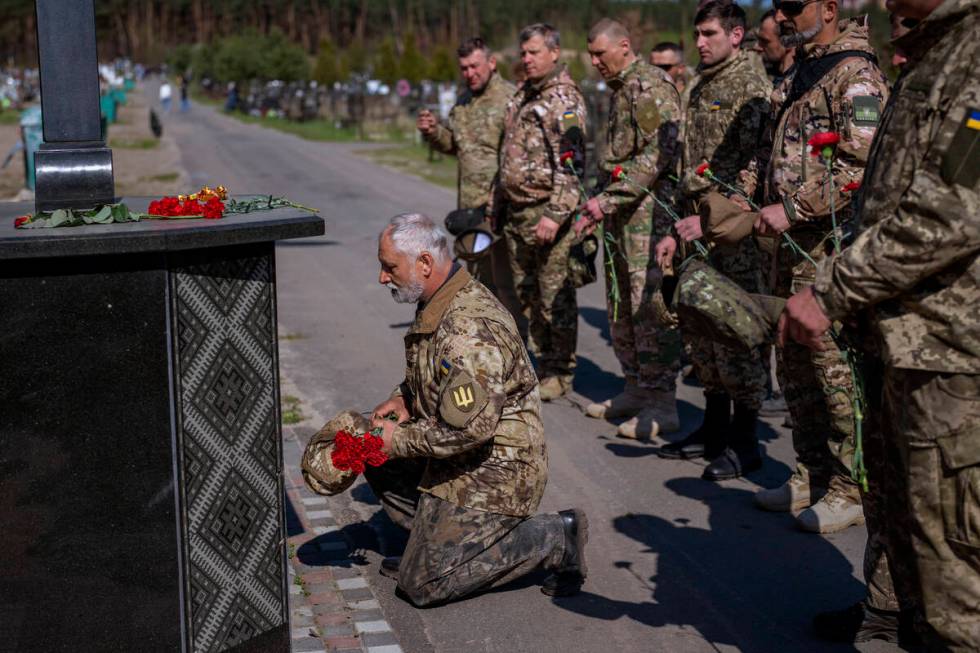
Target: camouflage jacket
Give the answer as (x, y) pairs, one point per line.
(473, 133)
(915, 260)
(724, 118)
(473, 398)
(644, 117)
(543, 121)
(847, 100)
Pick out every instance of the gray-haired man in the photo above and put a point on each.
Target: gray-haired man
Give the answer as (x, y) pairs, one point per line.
(468, 463)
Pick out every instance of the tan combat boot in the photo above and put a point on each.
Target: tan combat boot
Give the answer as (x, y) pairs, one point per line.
(626, 404)
(659, 416)
(835, 511)
(794, 494)
(552, 387)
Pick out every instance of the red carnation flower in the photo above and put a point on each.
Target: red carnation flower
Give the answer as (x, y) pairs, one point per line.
(190, 207)
(822, 143)
(618, 173)
(565, 157)
(213, 209)
(24, 219)
(851, 187)
(703, 169)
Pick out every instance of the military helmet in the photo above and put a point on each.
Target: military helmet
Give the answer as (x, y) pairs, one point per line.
(581, 261)
(318, 471)
(711, 305)
(474, 243)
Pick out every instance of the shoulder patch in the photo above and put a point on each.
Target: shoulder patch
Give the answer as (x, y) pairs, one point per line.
(961, 162)
(568, 120)
(462, 399)
(648, 116)
(867, 110)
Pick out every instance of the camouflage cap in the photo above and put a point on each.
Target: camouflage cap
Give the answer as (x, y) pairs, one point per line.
(723, 221)
(474, 243)
(712, 306)
(318, 471)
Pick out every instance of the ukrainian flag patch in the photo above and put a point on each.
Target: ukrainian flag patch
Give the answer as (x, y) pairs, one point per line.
(973, 119)
(716, 105)
(444, 366)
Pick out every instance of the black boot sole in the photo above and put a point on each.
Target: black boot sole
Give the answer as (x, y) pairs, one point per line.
(746, 469)
(673, 454)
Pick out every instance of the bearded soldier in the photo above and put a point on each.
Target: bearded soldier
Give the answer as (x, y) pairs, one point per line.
(642, 140)
(536, 194)
(473, 134)
(837, 87)
(913, 274)
(468, 464)
(727, 109)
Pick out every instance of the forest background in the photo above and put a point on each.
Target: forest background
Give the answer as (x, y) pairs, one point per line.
(331, 40)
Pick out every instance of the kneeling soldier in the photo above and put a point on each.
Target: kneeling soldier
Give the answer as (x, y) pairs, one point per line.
(468, 463)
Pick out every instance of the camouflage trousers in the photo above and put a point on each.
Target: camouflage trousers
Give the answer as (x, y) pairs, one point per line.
(648, 349)
(546, 295)
(816, 385)
(454, 551)
(739, 373)
(923, 518)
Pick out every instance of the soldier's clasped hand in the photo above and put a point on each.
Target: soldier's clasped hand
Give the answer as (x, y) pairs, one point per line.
(664, 251)
(803, 321)
(689, 228)
(546, 231)
(426, 122)
(772, 220)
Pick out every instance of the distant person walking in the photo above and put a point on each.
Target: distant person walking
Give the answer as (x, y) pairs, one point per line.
(166, 94)
(185, 104)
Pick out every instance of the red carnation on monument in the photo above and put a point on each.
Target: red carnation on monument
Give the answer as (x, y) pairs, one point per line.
(213, 209)
(22, 220)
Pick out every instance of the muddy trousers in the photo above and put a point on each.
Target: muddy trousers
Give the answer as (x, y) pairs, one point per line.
(454, 551)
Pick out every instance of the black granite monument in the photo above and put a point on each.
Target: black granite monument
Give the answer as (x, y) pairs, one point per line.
(141, 494)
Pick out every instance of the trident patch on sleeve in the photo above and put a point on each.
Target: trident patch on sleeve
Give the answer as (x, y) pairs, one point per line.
(961, 163)
(462, 399)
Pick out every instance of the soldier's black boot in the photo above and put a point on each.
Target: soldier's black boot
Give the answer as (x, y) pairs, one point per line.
(861, 623)
(708, 440)
(742, 454)
(389, 566)
(570, 573)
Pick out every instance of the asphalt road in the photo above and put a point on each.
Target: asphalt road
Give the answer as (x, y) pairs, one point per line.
(678, 564)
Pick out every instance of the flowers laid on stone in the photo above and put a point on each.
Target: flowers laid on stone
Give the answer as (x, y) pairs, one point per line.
(208, 203)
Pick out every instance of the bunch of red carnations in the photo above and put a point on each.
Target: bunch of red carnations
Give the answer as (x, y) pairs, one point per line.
(170, 207)
(355, 452)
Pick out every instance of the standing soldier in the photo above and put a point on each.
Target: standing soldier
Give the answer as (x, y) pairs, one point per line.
(642, 139)
(536, 194)
(725, 117)
(473, 133)
(837, 87)
(913, 274)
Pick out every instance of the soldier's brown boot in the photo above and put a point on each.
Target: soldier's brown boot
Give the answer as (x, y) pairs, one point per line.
(389, 566)
(660, 416)
(553, 387)
(795, 494)
(626, 404)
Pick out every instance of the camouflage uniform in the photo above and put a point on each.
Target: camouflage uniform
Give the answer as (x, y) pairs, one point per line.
(473, 134)
(470, 466)
(913, 271)
(724, 119)
(815, 384)
(544, 119)
(644, 110)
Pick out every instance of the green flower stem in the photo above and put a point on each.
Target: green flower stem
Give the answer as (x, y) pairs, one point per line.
(608, 249)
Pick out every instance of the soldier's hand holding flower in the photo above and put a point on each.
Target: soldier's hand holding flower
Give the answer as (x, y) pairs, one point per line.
(803, 320)
(546, 231)
(590, 217)
(689, 228)
(426, 122)
(772, 220)
(664, 251)
(394, 405)
(387, 427)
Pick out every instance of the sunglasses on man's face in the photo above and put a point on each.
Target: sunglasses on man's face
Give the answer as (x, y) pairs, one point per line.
(666, 67)
(790, 8)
